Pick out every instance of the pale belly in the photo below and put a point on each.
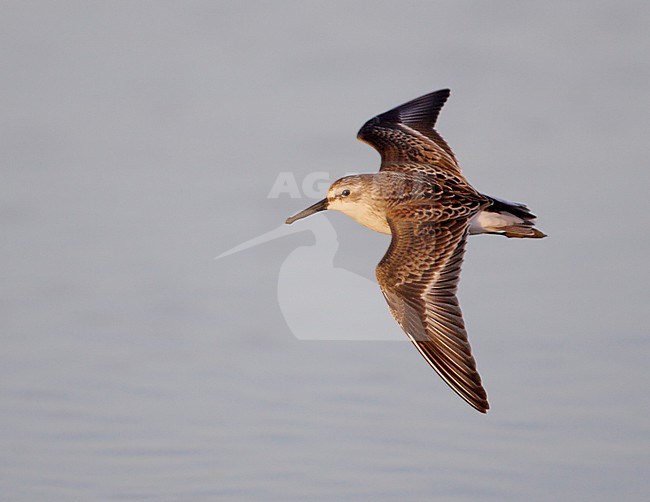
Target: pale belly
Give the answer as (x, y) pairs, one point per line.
(479, 224)
(378, 225)
(367, 217)
(483, 222)
(488, 222)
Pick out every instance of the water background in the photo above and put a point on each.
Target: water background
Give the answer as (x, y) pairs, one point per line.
(141, 139)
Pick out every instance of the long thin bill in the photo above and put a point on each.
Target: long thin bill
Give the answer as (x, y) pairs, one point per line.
(321, 205)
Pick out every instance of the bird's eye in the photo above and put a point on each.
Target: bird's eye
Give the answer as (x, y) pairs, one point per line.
(345, 193)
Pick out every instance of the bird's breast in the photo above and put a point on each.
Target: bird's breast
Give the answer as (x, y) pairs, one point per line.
(368, 216)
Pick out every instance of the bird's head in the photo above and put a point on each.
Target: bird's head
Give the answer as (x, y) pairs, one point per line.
(345, 195)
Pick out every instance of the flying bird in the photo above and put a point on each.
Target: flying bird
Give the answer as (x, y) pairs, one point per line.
(421, 198)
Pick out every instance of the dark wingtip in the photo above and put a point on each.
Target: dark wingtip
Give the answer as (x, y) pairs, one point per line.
(422, 111)
(482, 408)
(420, 114)
(479, 402)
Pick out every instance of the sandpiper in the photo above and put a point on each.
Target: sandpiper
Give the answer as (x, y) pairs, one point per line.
(421, 198)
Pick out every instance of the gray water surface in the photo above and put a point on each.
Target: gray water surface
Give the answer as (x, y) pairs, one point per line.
(141, 139)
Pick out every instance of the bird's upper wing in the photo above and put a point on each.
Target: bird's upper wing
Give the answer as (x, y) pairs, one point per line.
(419, 277)
(406, 139)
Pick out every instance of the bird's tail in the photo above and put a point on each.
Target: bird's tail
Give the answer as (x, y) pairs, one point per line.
(511, 219)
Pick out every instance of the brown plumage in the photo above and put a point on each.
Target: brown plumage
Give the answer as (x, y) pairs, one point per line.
(422, 199)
